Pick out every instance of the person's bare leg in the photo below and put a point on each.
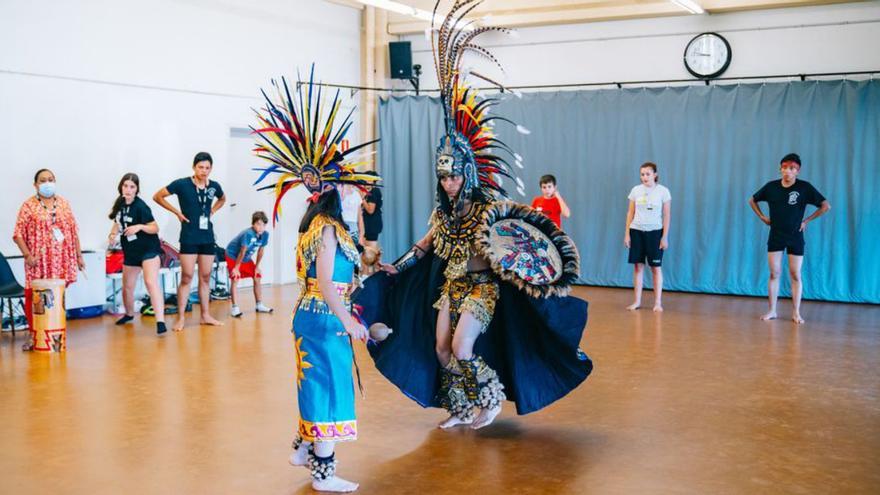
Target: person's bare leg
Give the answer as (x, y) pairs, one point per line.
(657, 273)
(156, 291)
(129, 282)
(774, 261)
(797, 287)
(206, 264)
(187, 269)
(334, 483)
(443, 346)
(638, 269)
(258, 297)
(466, 333)
(258, 290)
(151, 280)
(233, 291)
(444, 355)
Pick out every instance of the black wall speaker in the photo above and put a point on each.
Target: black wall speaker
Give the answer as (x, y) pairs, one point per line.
(400, 56)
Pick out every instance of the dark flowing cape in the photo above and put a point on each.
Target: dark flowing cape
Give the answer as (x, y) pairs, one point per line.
(532, 343)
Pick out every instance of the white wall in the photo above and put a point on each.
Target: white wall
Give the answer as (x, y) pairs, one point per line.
(832, 38)
(96, 88)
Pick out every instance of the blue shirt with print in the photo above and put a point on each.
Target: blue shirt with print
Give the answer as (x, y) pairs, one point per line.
(248, 239)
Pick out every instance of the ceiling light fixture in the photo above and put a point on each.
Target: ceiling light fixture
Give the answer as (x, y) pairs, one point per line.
(398, 7)
(689, 5)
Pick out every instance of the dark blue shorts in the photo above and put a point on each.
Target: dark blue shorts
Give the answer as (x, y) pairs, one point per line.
(644, 247)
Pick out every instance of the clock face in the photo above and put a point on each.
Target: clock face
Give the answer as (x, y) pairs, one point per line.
(707, 55)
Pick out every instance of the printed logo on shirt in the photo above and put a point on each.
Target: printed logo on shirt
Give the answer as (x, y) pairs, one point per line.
(211, 192)
(793, 197)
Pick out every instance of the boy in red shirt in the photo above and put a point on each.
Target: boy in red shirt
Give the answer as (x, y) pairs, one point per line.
(550, 202)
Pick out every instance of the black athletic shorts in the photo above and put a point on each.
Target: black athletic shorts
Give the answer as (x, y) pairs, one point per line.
(372, 228)
(204, 248)
(134, 257)
(782, 241)
(645, 247)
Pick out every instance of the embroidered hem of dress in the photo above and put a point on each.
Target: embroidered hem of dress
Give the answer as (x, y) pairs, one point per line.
(340, 431)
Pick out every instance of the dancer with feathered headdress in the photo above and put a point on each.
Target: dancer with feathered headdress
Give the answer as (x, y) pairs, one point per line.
(479, 305)
(302, 139)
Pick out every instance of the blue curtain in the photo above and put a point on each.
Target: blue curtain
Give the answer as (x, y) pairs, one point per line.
(715, 146)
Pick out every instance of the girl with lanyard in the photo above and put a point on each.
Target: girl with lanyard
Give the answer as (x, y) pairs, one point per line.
(47, 235)
(140, 247)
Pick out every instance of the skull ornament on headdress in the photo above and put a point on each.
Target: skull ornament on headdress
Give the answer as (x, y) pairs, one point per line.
(455, 157)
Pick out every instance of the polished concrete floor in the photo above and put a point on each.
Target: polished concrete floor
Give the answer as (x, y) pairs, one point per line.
(703, 399)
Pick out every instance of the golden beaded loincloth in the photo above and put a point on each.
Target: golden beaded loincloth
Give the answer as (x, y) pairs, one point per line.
(475, 293)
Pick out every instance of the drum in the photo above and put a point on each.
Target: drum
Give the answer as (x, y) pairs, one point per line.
(49, 327)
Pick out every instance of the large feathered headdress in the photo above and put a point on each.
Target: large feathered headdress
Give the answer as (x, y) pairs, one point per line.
(469, 147)
(303, 145)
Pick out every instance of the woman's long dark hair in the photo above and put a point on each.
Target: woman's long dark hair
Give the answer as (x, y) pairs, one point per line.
(328, 204)
(120, 200)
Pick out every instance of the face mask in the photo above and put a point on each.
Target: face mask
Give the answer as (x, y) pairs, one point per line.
(47, 189)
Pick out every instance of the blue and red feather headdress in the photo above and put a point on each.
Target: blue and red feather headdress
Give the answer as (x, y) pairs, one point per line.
(303, 145)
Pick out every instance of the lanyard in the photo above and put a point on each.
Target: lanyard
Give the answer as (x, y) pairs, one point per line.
(204, 201)
(125, 211)
(53, 211)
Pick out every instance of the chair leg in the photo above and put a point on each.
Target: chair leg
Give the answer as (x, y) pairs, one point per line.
(11, 316)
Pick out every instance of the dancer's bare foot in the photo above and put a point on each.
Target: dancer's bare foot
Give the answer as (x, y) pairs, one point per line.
(797, 318)
(380, 332)
(658, 308)
(769, 316)
(179, 324)
(451, 421)
(634, 306)
(334, 484)
(209, 320)
(486, 417)
(300, 456)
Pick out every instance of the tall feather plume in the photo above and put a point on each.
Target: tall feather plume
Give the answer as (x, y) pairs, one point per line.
(464, 113)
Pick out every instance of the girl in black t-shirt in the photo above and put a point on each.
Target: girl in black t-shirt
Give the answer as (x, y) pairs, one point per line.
(134, 222)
